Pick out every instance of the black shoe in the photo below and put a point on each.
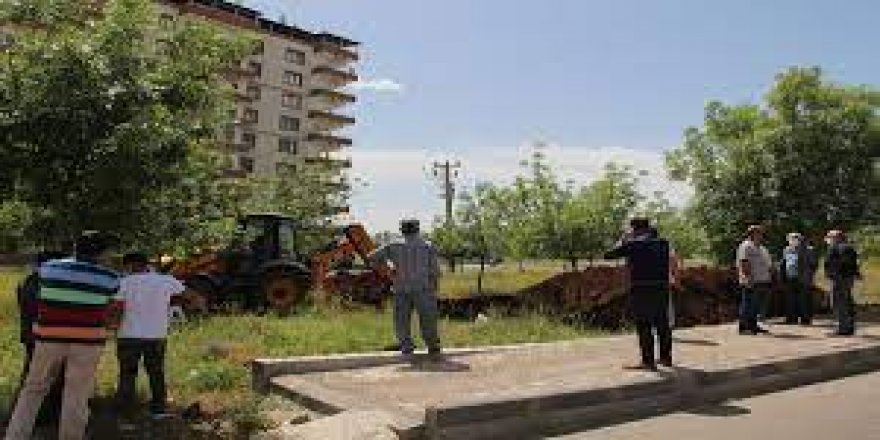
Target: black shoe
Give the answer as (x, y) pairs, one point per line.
(761, 331)
(791, 322)
(842, 334)
(747, 332)
(666, 362)
(806, 322)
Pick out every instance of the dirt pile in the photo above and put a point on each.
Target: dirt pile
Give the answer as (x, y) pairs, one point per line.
(596, 297)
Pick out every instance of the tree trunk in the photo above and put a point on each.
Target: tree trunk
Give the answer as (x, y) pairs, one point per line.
(451, 262)
(480, 275)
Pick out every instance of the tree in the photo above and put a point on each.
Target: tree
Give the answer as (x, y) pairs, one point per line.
(801, 162)
(99, 130)
(592, 218)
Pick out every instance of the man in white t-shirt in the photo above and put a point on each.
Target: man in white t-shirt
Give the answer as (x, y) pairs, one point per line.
(148, 296)
(754, 265)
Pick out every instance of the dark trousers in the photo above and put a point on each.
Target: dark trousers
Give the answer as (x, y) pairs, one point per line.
(129, 352)
(751, 300)
(844, 305)
(50, 411)
(798, 302)
(649, 306)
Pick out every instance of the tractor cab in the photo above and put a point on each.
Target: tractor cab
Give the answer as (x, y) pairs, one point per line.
(268, 237)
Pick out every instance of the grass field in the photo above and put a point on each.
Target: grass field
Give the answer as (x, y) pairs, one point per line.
(502, 279)
(207, 358)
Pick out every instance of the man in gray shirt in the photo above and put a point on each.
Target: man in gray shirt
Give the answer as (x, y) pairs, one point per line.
(416, 271)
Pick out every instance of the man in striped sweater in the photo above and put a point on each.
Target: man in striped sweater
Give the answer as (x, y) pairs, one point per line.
(78, 301)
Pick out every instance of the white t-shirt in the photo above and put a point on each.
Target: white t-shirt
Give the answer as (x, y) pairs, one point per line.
(147, 300)
(759, 259)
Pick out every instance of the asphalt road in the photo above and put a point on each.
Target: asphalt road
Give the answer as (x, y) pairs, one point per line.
(844, 409)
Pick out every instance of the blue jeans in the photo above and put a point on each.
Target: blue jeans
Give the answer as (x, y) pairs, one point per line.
(752, 298)
(843, 304)
(425, 304)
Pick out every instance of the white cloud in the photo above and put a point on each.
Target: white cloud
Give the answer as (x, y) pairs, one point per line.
(383, 85)
(400, 183)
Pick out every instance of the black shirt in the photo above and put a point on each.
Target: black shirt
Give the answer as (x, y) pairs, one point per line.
(647, 259)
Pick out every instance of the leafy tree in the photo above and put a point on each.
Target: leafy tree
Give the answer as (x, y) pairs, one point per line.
(101, 131)
(801, 162)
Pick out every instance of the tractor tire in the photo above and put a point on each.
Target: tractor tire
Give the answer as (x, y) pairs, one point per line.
(283, 292)
(199, 298)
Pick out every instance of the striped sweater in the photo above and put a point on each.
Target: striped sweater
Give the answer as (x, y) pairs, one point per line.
(76, 298)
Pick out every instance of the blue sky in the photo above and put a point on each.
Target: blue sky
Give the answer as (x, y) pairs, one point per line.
(600, 80)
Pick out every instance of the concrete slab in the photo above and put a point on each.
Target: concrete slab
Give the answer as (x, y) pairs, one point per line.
(543, 387)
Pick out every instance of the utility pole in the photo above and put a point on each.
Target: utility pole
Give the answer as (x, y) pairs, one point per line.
(447, 171)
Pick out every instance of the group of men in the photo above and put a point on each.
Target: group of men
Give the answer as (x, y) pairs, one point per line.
(76, 300)
(69, 308)
(797, 268)
(653, 267)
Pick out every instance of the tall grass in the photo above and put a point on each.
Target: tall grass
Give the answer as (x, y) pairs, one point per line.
(207, 358)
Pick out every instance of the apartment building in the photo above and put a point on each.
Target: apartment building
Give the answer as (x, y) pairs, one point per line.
(290, 97)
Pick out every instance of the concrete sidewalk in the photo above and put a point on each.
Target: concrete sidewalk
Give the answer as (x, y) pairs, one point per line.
(562, 387)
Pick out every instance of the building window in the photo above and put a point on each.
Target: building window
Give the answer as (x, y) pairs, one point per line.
(291, 100)
(287, 145)
(294, 56)
(293, 79)
(229, 133)
(249, 140)
(166, 22)
(259, 48)
(246, 164)
(232, 114)
(255, 68)
(253, 92)
(251, 115)
(285, 168)
(288, 123)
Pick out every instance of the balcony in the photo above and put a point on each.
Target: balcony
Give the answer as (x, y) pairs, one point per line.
(329, 162)
(334, 78)
(329, 139)
(331, 117)
(333, 97)
(335, 55)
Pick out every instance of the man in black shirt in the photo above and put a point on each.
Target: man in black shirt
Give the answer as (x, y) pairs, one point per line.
(842, 269)
(647, 259)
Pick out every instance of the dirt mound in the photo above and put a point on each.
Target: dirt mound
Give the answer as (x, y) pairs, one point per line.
(596, 297)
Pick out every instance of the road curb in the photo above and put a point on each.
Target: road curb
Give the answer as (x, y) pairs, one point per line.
(570, 410)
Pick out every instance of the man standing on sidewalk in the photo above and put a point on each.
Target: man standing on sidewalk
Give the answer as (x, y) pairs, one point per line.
(416, 273)
(147, 295)
(78, 300)
(753, 264)
(842, 269)
(647, 258)
(796, 271)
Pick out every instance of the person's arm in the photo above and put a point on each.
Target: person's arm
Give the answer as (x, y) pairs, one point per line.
(620, 250)
(177, 289)
(434, 268)
(743, 264)
(380, 256)
(116, 307)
